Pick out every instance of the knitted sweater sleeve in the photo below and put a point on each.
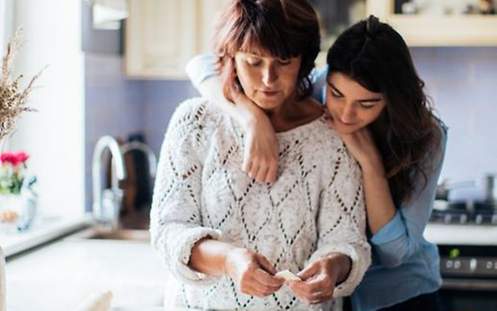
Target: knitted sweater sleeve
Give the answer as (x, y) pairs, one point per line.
(342, 220)
(175, 218)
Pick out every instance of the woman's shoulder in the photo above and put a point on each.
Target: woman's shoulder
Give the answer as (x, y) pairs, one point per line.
(194, 112)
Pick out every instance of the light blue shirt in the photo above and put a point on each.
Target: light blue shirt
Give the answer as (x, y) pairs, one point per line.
(404, 264)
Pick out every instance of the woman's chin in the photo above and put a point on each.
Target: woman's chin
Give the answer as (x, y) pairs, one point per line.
(345, 129)
(268, 104)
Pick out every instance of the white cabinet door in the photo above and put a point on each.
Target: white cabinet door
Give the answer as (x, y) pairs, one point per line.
(162, 35)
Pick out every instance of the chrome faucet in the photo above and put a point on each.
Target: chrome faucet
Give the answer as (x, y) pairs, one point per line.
(151, 158)
(107, 202)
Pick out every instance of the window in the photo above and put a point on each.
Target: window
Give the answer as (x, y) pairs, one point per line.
(54, 135)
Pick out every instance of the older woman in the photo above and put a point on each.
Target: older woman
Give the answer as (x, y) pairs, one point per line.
(225, 236)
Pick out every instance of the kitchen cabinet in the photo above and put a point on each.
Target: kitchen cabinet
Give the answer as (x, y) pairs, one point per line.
(162, 35)
(438, 30)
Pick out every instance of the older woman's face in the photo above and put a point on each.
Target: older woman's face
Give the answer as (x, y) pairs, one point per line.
(267, 80)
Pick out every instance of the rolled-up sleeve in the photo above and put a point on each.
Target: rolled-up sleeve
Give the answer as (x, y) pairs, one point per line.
(342, 221)
(401, 237)
(175, 218)
(318, 80)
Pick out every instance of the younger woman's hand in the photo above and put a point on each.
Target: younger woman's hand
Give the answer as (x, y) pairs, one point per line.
(361, 145)
(260, 158)
(252, 272)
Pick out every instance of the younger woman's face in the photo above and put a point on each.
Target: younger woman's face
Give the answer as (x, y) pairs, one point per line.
(267, 80)
(351, 105)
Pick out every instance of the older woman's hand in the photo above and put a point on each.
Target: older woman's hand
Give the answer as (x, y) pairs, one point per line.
(252, 272)
(320, 278)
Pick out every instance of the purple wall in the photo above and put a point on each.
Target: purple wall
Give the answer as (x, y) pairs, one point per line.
(461, 81)
(463, 85)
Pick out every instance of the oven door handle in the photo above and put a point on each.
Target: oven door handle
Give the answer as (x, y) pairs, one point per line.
(470, 284)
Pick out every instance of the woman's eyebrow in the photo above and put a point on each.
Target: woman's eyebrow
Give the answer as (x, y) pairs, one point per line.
(373, 99)
(335, 88)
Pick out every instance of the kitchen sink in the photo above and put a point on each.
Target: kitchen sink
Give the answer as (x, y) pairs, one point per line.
(96, 233)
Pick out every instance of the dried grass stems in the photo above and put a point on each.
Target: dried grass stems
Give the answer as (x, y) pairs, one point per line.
(13, 98)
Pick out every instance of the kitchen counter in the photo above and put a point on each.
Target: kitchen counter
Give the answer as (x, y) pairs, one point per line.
(453, 234)
(61, 275)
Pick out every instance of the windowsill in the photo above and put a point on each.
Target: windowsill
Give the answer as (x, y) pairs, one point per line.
(42, 231)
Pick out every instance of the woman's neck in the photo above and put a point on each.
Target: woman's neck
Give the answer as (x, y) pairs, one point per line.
(294, 113)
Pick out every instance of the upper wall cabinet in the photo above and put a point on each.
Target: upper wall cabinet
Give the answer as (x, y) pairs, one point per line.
(162, 35)
(440, 23)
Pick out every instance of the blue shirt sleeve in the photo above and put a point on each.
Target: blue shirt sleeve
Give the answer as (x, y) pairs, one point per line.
(318, 80)
(402, 236)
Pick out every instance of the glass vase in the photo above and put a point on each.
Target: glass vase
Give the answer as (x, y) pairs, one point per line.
(17, 211)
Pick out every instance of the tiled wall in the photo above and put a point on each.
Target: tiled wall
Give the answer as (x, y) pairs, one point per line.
(162, 98)
(463, 85)
(113, 105)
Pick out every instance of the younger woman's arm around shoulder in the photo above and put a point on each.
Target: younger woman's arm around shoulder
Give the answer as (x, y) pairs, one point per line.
(260, 159)
(343, 254)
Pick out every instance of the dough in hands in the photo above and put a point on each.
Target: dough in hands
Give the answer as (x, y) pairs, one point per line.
(287, 275)
(98, 301)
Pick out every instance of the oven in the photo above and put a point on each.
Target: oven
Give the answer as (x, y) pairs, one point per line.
(469, 274)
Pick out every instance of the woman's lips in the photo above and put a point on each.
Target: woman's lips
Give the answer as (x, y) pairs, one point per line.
(269, 93)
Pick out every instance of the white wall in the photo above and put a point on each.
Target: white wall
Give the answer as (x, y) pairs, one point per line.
(53, 136)
(2, 26)
(6, 22)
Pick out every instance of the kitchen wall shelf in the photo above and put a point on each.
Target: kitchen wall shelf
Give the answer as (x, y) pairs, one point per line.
(424, 30)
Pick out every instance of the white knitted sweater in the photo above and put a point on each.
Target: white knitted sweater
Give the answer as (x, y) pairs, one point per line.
(315, 207)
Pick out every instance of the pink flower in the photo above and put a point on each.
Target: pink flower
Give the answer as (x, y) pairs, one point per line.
(14, 158)
(22, 157)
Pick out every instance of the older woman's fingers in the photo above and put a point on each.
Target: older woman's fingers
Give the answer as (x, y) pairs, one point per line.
(259, 289)
(265, 264)
(266, 280)
(316, 287)
(309, 271)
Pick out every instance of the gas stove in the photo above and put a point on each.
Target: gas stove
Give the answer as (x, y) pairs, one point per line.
(465, 213)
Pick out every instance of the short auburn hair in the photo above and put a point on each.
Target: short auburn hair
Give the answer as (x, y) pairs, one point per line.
(285, 28)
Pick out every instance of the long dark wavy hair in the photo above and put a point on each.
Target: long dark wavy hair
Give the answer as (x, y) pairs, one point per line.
(406, 132)
(285, 28)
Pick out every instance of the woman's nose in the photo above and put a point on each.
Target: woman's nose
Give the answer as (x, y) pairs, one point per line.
(348, 113)
(269, 75)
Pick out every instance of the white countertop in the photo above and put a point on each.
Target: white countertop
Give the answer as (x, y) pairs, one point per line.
(44, 229)
(461, 234)
(61, 275)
